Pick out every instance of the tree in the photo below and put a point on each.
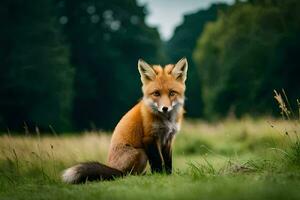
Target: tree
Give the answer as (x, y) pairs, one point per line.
(36, 78)
(182, 44)
(107, 38)
(249, 51)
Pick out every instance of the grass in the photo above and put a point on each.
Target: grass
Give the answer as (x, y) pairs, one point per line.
(292, 152)
(232, 159)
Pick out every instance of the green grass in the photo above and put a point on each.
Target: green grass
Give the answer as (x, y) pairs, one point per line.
(232, 159)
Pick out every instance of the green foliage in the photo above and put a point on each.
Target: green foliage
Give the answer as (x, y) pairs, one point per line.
(182, 44)
(71, 63)
(295, 153)
(107, 39)
(36, 79)
(245, 54)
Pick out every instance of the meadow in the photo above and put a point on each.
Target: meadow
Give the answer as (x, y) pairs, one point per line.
(231, 159)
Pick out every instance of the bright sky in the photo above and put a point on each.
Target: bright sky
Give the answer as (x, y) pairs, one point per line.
(167, 14)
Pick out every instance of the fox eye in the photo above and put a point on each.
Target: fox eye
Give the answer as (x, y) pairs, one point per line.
(156, 94)
(172, 93)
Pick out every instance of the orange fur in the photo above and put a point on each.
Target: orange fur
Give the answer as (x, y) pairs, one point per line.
(136, 127)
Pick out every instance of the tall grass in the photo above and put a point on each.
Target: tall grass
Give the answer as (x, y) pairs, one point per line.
(201, 149)
(42, 158)
(292, 151)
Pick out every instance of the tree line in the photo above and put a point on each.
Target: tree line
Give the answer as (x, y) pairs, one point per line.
(71, 64)
(250, 50)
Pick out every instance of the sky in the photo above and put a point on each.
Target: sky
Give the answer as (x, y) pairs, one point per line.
(167, 14)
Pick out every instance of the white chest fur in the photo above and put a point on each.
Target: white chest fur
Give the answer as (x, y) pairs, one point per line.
(165, 129)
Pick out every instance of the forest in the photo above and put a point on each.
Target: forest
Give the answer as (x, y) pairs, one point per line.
(72, 65)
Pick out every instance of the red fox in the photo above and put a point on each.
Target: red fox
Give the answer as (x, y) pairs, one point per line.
(146, 132)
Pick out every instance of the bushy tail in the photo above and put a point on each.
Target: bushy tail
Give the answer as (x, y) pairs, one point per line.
(89, 171)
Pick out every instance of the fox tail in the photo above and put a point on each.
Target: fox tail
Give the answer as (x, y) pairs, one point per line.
(89, 171)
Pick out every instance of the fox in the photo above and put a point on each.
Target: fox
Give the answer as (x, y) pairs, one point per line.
(146, 132)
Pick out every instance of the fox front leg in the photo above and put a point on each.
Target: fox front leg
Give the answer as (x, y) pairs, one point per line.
(154, 154)
(167, 156)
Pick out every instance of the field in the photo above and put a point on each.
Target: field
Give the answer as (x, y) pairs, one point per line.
(232, 159)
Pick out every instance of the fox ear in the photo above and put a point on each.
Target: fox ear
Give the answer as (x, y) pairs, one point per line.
(180, 70)
(146, 71)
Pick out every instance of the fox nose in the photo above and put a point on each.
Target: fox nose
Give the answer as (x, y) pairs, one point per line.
(165, 109)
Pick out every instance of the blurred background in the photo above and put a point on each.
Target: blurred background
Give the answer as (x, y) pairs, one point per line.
(71, 65)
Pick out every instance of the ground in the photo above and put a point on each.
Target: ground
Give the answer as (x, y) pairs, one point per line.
(232, 159)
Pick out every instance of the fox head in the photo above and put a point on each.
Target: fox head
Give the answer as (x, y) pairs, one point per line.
(163, 88)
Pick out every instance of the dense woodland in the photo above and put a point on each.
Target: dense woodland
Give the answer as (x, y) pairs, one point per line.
(70, 65)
